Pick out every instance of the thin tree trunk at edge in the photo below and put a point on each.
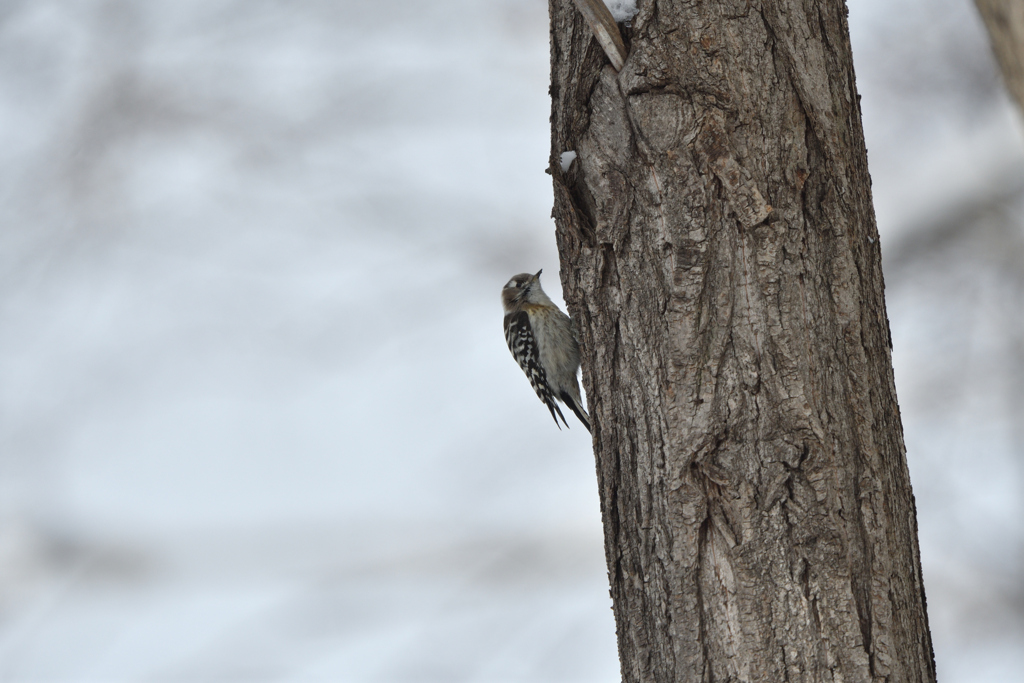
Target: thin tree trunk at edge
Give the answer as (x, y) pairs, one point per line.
(720, 258)
(1004, 20)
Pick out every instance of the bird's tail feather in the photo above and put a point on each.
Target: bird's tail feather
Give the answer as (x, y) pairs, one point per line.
(553, 407)
(575, 407)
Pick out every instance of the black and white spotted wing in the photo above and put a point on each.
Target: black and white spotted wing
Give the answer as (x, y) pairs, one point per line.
(523, 345)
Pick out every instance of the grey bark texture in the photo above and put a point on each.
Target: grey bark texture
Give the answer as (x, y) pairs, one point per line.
(720, 258)
(1004, 20)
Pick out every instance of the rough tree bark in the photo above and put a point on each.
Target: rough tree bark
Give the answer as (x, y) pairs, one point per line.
(1004, 20)
(720, 257)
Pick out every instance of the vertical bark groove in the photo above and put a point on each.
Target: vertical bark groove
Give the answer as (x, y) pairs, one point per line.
(720, 257)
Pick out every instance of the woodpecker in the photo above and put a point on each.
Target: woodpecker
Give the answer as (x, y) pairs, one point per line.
(543, 342)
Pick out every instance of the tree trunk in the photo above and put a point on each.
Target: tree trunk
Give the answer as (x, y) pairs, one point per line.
(1004, 20)
(720, 258)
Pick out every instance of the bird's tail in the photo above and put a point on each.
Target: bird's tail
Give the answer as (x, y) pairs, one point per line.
(574, 405)
(553, 407)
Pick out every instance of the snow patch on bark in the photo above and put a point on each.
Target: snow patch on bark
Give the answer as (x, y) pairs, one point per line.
(567, 159)
(622, 10)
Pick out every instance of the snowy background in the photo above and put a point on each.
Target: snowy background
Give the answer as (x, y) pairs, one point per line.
(252, 378)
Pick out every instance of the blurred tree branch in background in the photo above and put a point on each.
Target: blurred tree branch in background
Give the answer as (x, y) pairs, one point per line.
(1004, 20)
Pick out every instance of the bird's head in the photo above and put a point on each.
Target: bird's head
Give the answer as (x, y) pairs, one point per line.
(522, 288)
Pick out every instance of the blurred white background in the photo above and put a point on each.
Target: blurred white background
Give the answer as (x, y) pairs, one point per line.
(253, 384)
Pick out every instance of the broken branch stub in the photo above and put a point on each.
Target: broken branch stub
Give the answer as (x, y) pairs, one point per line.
(601, 22)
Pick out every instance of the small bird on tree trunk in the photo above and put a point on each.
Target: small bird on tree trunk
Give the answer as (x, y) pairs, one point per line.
(543, 342)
